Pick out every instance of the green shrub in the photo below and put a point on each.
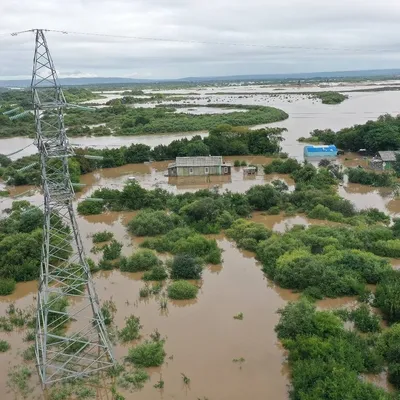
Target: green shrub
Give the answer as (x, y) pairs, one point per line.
(364, 320)
(104, 236)
(29, 353)
(236, 163)
(145, 291)
(147, 354)
(248, 234)
(157, 273)
(274, 211)
(243, 163)
(360, 175)
(185, 266)
(152, 223)
(112, 251)
(282, 166)
(198, 246)
(89, 207)
(301, 319)
(141, 260)
(182, 290)
(331, 97)
(132, 379)
(4, 346)
(387, 296)
(105, 265)
(387, 248)
(108, 310)
(131, 331)
(7, 286)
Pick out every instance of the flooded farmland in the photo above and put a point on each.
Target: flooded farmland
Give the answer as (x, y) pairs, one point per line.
(202, 338)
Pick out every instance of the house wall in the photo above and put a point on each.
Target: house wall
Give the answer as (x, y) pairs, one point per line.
(198, 171)
(319, 154)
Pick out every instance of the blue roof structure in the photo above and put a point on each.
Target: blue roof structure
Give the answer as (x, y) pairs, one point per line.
(320, 150)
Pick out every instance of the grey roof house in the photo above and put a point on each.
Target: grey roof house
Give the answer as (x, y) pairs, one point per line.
(199, 166)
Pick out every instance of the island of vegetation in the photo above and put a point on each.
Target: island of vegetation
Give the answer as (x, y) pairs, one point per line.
(119, 117)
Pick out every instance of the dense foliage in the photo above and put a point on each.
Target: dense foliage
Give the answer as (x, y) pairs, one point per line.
(147, 354)
(125, 120)
(152, 223)
(21, 100)
(360, 175)
(21, 243)
(326, 360)
(182, 290)
(131, 330)
(184, 266)
(331, 97)
(324, 261)
(141, 260)
(103, 236)
(374, 136)
(185, 241)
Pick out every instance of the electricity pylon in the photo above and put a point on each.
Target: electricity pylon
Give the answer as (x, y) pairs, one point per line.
(71, 338)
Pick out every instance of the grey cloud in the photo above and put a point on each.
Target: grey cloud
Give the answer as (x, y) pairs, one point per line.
(361, 28)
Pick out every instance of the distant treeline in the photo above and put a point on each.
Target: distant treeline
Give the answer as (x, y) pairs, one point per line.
(374, 136)
(223, 140)
(21, 100)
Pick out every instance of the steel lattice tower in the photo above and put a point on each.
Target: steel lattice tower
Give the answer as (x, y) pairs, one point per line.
(71, 341)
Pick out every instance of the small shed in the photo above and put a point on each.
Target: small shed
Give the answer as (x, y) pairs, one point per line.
(388, 158)
(199, 166)
(320, 151)
(250, 171)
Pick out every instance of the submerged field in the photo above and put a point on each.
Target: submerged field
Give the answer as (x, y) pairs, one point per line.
(222, 343)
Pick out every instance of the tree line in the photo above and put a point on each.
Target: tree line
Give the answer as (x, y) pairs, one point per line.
(373, 136)
(223, 140)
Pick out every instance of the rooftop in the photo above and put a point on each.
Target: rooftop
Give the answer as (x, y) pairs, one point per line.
(388, 155)
(198, 161)
(321, 148)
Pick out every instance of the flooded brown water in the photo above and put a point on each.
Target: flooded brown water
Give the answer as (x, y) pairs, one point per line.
(202, 335)
(305, 115)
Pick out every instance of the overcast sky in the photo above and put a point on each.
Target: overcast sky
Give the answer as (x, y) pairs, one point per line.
(360, 34)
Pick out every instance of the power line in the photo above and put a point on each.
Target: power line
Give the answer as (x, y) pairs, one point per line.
(205, 42)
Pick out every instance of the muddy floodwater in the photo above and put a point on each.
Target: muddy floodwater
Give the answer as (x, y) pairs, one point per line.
(202, 337)
(305, 115)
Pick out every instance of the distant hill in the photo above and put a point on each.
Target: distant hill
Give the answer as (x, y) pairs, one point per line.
(384, 73)
(301, 75)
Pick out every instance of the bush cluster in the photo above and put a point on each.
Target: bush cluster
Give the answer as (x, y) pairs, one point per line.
(182, 290)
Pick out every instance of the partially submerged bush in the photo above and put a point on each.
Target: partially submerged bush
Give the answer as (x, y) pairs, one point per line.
(7, 286)
(185, 266)
(131, 331)
(103, 236)
(152, 223)
(141, 260)
(112, 251)
(133, 380)
(147, 354)
(4, 346)
(364, 320)
(156, 273)
(182, 290)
